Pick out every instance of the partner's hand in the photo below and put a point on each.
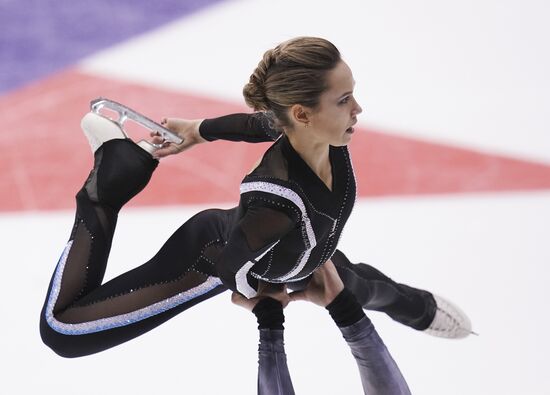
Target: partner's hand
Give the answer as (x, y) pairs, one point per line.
(324, 286)
(275, 291)
(187, 129)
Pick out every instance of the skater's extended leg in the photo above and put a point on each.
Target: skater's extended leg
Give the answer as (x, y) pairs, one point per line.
(141, 299)
(80, 316)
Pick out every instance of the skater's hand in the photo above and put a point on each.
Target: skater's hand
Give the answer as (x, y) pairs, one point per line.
(187, 129)
(323, 287)
(275, 291)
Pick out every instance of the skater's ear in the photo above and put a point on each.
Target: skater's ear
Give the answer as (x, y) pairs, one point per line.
(300, 115)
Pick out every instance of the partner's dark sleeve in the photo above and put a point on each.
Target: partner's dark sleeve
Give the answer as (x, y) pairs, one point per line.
(253, 128)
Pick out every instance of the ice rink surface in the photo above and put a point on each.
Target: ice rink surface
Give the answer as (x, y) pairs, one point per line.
(470, 74)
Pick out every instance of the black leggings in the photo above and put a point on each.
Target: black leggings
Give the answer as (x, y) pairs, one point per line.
(82, 316)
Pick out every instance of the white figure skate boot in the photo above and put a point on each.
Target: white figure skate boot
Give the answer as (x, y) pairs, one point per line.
(450, 321)
(99, 127)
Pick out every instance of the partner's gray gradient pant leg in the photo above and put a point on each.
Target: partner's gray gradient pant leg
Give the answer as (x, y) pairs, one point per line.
(379, 372)
(273, 374)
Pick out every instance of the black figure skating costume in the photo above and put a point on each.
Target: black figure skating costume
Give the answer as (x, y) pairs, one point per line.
(287, 224)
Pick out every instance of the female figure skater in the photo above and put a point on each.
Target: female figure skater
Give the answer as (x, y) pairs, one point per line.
(291, 213)
(379, 373)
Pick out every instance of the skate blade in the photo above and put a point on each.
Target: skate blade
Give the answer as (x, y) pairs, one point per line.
(99, 129)
(126, 113)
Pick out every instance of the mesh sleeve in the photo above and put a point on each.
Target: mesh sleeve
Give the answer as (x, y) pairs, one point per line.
(253, 128)
(257, 232)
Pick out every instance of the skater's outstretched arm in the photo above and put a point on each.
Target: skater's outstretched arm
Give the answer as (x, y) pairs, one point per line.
(253, 128)
(257, 127)
(273, 374)
(379, 372)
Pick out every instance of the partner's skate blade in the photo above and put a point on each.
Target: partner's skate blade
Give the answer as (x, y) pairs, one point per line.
(99, 130)
(125, 113)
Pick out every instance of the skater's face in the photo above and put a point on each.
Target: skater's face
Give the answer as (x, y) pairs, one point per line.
(333, 119)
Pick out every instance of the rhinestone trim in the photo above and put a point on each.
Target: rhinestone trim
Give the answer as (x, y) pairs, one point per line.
(289, 194)
(118, 320)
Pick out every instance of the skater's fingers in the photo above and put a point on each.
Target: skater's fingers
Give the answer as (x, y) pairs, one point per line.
(157, 139)
(170, 149)
(165, 151)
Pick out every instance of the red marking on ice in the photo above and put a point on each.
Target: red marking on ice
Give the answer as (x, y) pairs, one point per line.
(45, 158)
(394, 165)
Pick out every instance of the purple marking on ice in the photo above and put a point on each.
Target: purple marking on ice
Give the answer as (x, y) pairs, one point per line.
(39, 37)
